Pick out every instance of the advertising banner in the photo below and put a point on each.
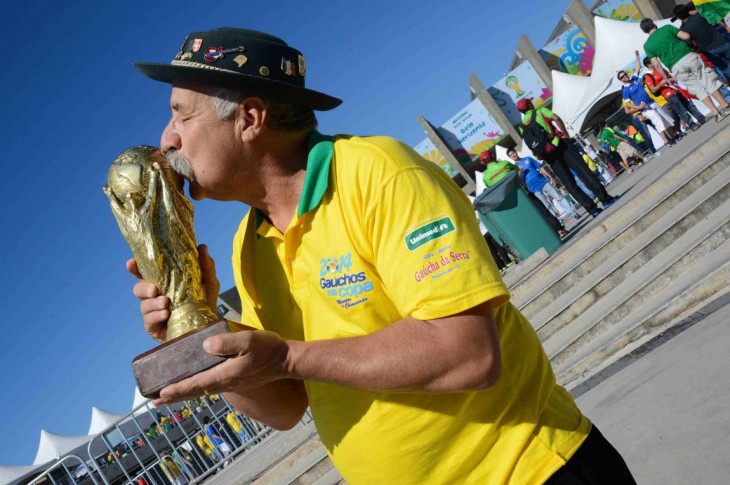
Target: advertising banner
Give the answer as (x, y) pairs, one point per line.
(618, 10)
(521, 82)
(429, 151)
(471, 131)
(570, 52)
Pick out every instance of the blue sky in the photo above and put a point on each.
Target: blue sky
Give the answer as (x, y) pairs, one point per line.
(72, 101)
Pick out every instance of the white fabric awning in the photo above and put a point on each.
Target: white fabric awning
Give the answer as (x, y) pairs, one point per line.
(100, 420)
(616, 43)
(53, 446)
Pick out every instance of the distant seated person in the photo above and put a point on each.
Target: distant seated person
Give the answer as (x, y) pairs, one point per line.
(494, 170)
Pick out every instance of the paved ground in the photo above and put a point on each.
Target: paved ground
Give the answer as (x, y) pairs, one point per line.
(668, 409)
(668, 412)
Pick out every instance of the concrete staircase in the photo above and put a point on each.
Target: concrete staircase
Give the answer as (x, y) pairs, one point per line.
(291, 457)
(661, 255)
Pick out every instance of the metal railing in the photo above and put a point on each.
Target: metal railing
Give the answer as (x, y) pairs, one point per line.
(159, 446)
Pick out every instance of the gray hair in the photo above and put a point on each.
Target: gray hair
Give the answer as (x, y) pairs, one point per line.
(283, 117)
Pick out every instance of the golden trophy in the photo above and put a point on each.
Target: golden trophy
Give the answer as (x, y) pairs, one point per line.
(156, 219)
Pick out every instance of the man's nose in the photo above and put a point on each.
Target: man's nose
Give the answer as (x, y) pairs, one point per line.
(170, 139)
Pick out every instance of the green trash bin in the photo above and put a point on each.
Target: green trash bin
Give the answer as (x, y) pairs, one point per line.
(509, 215)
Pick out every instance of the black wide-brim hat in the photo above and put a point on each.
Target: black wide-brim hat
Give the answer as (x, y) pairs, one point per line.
(243, 60)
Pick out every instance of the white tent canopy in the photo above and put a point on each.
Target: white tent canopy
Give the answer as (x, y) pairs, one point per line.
(53, 446)
(100, 420)
(616, 42)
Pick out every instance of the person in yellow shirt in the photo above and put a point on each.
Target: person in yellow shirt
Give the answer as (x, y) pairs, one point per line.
(206, 446)
(368, 292)
(237, 427)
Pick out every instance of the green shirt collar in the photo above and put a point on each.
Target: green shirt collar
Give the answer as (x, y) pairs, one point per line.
(316, 179)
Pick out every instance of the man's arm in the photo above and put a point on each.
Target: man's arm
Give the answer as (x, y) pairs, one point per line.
(637, 64)
(451, 354)
(630, 108)
(654, 87)
(561, 125)
(684, 35)
(660, 68)
(548, 176)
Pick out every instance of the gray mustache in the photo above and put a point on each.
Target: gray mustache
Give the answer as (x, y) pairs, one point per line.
(179, 163)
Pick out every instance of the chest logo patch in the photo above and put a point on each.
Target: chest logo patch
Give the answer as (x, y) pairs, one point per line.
(429, 232)
(348, 288)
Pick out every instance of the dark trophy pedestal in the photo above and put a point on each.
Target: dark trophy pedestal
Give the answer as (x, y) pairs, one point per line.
(176, 359)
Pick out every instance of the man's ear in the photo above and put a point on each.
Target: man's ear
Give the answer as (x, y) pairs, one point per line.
(251, 119)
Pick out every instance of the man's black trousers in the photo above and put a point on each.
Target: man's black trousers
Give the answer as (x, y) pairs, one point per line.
(595, 463)
(567, 157)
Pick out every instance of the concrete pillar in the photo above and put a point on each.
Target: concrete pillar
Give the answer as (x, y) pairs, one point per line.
(591, 138)
(578, 15)
(442, 147)
(649, 8)
(527, 52)
(488, 101)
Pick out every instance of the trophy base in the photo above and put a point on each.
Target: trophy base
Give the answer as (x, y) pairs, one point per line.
(175, 360)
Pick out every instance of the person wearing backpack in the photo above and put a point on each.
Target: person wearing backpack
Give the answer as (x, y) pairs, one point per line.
(545, 135)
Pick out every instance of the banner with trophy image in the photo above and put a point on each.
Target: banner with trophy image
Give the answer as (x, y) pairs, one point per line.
(470, 132)
(521, 82)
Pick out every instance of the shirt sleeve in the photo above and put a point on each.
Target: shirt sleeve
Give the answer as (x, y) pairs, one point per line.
(427, 246)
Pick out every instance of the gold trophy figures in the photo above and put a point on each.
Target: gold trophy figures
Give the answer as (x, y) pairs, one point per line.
(156, 219)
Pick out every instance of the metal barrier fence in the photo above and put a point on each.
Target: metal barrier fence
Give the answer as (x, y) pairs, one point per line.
(159, 446)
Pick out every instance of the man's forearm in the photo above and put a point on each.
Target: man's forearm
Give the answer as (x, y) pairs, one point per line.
(453, 354)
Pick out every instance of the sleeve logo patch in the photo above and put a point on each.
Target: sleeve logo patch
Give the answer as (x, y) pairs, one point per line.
(429, 232)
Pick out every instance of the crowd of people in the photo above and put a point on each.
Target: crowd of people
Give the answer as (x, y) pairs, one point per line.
(682, 64)
(216, 440)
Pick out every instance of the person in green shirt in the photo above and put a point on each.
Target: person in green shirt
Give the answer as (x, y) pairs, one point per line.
(665, 46)
(495, 170)
(618, 142)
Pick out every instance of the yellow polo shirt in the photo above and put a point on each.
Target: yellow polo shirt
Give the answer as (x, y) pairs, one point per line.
(381, 234)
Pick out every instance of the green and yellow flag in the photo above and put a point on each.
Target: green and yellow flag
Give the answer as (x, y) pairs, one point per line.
(713, 10)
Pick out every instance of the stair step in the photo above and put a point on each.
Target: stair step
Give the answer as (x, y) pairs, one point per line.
(332, 477)
(575, 260)
(686, 217)
(676, 311)
(295, 464)
(690, 271)
(262, 459)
